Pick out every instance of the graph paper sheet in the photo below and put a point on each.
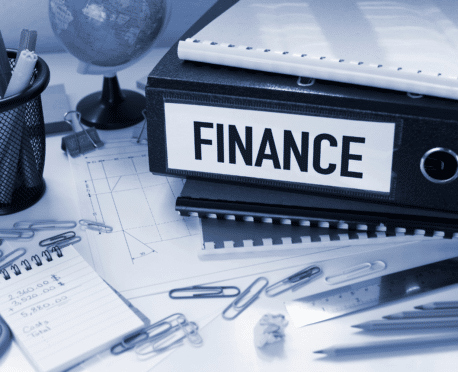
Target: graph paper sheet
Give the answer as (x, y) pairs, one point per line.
(152, 248)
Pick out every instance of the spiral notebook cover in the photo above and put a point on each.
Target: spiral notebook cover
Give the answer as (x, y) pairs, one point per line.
(243, 202)
(403, 45)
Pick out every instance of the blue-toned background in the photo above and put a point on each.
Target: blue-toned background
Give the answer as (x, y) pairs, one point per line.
(16, 15)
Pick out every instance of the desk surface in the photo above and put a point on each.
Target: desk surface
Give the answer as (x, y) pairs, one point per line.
(228, 345)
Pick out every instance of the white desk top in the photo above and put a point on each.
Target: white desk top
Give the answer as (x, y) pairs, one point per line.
(228, 345)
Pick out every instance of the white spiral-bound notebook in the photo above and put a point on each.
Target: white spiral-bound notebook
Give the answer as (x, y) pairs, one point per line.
(60, 311)
(404, 45)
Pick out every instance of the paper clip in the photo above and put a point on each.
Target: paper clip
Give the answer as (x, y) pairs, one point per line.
(160, 344)
(168, 340)
(18, 252)
(16, 234)
(150, 333)
(198, 291)
(26, 224)
(293, 282)
(64, 243)
(236, 305)
(54, 240)
(191, 331)
(356, 272)
(45, 224)
(97, 226)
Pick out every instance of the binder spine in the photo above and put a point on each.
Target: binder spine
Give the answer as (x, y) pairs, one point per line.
(160, 154)
(27, 265)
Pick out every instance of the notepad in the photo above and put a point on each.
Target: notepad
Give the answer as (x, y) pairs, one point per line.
(60, 311)
(403, 45)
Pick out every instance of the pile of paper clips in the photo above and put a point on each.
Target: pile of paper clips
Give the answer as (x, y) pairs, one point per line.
(161, 336)
(25, 230)
(250, 294)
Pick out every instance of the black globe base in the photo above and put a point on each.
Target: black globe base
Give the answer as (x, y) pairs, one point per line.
(112, 108)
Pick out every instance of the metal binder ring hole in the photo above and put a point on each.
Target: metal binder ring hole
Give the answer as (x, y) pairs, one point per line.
(249, 48)
(303, 55)
(341, 60)
(360, 63)
(307, 81)
(266, 50)
(379, 66)
(231, 45)
(285, 52)
(322, 57)
(439, 165)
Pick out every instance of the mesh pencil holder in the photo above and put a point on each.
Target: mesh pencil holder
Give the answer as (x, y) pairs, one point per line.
(22, 143)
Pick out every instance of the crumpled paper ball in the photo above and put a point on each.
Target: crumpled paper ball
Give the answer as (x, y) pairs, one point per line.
(269, 329)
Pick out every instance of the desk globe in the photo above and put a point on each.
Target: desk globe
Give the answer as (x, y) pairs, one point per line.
(107, 36)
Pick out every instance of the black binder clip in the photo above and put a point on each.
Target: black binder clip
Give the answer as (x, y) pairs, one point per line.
(80, 142)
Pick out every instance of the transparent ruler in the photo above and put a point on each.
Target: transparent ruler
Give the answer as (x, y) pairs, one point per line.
(373, 292)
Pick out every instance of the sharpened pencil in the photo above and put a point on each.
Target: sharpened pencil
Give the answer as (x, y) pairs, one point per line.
(407, 324)
(438, 305)
(390, 346)
(443, 313)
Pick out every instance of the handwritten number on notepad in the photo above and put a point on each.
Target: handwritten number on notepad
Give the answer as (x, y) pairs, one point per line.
(34, 292)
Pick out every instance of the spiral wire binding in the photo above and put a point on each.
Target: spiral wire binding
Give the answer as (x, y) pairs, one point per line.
(35, 258)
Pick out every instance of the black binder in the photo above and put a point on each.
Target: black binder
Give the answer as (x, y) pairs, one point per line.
(423, 171)
(250, 203)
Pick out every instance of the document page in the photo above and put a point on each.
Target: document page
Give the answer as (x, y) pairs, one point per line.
(151, 245)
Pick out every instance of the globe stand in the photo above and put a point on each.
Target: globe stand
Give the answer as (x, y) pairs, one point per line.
(112, 108)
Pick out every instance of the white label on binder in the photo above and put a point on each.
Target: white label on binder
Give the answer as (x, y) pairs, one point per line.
(280, 147)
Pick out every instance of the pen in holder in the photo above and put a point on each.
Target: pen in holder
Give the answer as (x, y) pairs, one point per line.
(22, 142)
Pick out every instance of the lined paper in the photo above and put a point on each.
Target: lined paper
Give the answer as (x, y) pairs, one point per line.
(62, 312)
